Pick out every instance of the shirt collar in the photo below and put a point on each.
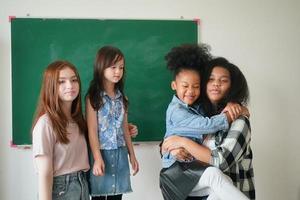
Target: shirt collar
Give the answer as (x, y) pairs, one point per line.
(177, 100)
(194, 108)
(118, 94)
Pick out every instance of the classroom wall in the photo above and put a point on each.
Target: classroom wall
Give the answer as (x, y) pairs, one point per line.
(262, 37)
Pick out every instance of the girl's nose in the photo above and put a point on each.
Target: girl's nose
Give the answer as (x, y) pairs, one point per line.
(191, 91)
(69, 84)
(119, 70)
(216, 83)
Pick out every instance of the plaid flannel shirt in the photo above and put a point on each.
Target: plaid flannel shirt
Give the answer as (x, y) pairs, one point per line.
(233, 155)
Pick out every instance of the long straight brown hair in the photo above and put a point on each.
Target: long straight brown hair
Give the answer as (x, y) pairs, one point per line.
(106, 57)
(49, 102)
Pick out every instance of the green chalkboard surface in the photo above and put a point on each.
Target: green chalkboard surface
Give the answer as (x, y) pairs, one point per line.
(37, 42)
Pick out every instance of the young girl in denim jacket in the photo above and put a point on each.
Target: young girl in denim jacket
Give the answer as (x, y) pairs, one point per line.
(58, 140)
(110, 142)
(230, 151)
(184, 119)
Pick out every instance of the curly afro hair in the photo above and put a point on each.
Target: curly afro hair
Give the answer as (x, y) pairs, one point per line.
(188, 56)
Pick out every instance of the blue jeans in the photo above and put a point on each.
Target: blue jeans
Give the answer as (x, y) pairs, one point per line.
(72, 186)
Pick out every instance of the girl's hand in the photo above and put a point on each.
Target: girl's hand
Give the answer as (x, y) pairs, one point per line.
(245, 111)
(134, 165)
(98, 168)
(181, 154)
(173, 142)
(234, 110)
(133, 130)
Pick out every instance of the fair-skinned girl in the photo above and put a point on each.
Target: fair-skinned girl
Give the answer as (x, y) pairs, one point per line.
(230, 151)
(109, 137)
(59, 145)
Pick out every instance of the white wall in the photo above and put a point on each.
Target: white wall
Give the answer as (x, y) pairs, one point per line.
(262, 37)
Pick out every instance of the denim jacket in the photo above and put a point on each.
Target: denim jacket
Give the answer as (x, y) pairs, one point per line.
(187, 121)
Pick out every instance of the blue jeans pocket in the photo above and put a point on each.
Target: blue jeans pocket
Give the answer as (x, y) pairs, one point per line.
(70, 187)
(59, 189)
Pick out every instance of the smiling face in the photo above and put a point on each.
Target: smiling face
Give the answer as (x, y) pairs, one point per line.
(187, 86)
(114, 73)
(68, 85)
(218, 84)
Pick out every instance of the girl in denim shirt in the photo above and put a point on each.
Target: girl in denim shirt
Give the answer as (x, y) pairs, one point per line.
(58, 139)
(110, 142)
(184, 119)
(230, 151)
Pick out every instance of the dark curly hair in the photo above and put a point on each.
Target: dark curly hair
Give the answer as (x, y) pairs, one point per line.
(188, 56)
(238, 92)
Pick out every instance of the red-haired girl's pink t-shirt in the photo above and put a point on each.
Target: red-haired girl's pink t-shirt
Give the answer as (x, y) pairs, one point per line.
(66, 158)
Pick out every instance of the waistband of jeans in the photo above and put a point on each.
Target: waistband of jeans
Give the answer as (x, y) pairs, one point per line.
(70, 176)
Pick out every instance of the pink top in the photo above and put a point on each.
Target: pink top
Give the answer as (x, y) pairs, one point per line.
(67, 158)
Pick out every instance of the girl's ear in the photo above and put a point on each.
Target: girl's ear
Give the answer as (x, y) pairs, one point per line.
(173, 85)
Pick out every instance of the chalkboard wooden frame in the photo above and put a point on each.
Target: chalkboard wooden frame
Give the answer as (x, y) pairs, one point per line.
(36, 42)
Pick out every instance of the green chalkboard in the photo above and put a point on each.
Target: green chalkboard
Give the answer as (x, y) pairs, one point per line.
(37, 42)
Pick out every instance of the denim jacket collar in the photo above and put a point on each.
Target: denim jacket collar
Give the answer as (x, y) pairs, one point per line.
(117, 96)
(194, 108)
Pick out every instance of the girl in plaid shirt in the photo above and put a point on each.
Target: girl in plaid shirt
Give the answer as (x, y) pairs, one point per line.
(230, 151)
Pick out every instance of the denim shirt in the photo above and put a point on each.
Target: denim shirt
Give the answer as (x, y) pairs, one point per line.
(110, 122)
(187, 121)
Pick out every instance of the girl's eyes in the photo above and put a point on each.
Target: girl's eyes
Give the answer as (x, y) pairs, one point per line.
(75, 80)
(195, 86)
(224, 80)
(220, 80)
(114, 67)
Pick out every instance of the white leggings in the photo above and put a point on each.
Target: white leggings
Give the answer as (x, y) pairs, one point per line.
(217, 186)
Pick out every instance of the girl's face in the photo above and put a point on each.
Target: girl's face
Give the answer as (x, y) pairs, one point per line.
(68, 86)
(187, 86)
(218, 84)
(114, 73)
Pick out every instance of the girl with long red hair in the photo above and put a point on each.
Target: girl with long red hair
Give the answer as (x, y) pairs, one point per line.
(58, 140)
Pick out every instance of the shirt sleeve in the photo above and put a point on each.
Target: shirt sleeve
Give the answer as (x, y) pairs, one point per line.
(43, 138)
(185, 123)
(233, 147)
